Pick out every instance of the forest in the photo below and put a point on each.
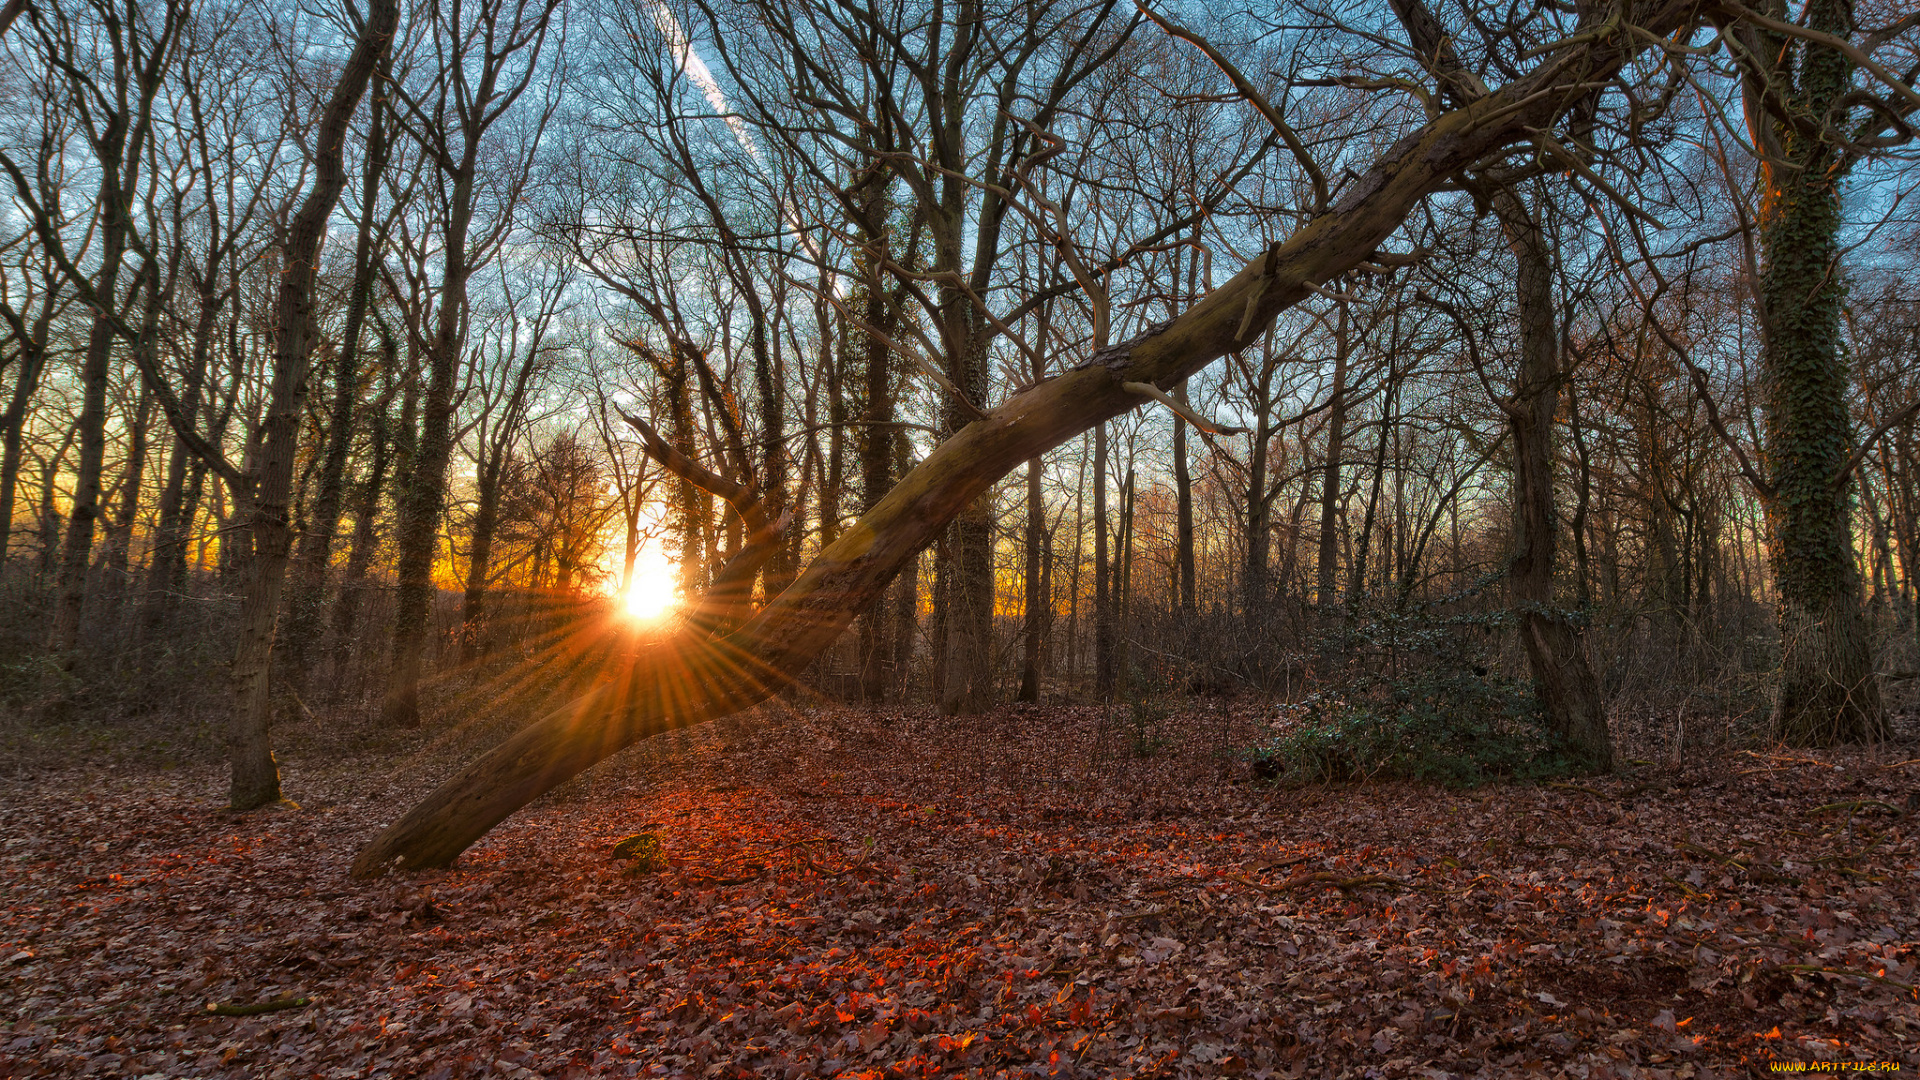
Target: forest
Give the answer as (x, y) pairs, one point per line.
(959, 537)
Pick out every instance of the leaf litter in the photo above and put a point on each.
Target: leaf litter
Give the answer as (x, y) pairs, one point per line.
(835, 893)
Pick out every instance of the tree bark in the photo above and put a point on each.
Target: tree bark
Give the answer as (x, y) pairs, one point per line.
(877, 437)
(1563, 680)
(473, 603)
(970, 646)
(366, 513)
(31, 364)
(1184, 569)
(1255, 589)
(1102, 572)
(1037, 600)
(256, 779)
(316, 539)
(70, 588)
(688, 678)
(1828, 691)
(1327, 564)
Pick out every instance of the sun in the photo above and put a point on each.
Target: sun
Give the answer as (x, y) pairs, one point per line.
(651, 592)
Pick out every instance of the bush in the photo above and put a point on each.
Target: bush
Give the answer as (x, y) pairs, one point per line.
(1146, 725)
(643, 852)
(1457, 728)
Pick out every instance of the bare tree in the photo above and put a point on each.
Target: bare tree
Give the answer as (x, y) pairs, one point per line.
(661, 688)
(486, 56)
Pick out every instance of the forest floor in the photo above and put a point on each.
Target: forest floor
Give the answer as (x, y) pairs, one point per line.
(849, 894)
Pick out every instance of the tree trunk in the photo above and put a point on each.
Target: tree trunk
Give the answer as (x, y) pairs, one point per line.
(687, 678)
(168, 554)
(1102, 567)
(366, 514)
(1183, 515)
(70, 588)
(424, 495)
(1254, 587)
(906, 612)
(473, 604)
(1828, 691)
(316, 539)
(1327, 565)
(877, 437)
(256, 779)
(970, 646)
(48, 510)
(1123, 598)
(31, 363)
(1182, 470)
(1037, 600)
(1563, 680)
(134, 471)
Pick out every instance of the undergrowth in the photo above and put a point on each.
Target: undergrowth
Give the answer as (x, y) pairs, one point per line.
(1419, 701)
(1453, 728)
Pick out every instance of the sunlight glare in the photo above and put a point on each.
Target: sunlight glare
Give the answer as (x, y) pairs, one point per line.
(650, 594)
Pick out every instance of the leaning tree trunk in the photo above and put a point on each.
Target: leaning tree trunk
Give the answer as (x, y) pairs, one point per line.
(690, 677)
(1562, 678)
(256, 779)
(1828, 693)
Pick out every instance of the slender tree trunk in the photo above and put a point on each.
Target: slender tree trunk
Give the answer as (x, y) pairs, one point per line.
(256, 779)
(1327, 566)
(1037, 599)
(1123, 600)
(49, 511)
(30, 365)
(1562, 678)
(1184, 570)
(1582, 502)
(1254, 584)
(1182, 471)
(473, 615)
(769, 379)
(906, 612)
(366, 515)
(1102, 565)
(1357, 562)
(70, 588)
(423, 498)
(167, 559)
(133, 483)
(877, 439)
(315, 551)
(939, 623)
(835, 362)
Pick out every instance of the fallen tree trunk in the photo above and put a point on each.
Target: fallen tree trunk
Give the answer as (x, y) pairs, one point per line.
(689, 677)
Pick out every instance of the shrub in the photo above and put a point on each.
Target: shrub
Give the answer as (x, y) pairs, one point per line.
(1450, 727)
(1146, 725)
(643, 852)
